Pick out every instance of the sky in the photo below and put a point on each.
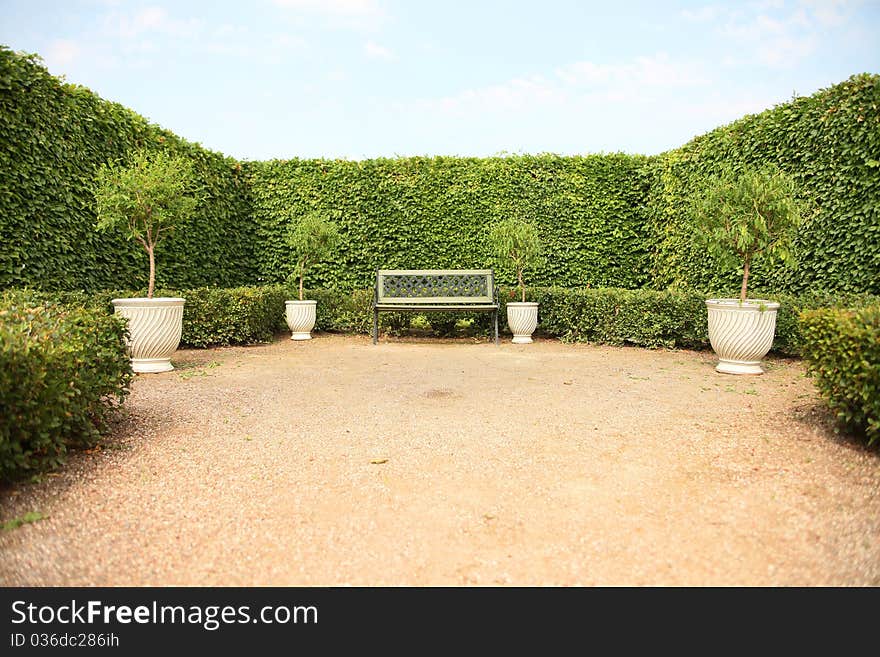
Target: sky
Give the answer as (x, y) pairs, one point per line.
(354, 79)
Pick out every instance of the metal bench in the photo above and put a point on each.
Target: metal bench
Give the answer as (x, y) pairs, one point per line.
(434, 290)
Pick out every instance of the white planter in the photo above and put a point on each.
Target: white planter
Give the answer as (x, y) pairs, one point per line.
(300, 318)
(522, 319)
(154, 328)
(741, 333)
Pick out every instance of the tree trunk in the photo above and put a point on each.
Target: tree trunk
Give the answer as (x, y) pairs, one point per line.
(522, 286)
(301, 273)
(152, 272)
(742, 292)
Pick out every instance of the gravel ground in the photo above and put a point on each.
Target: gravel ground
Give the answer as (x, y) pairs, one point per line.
(335, 462)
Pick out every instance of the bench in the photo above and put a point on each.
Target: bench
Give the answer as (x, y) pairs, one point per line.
(434, 290)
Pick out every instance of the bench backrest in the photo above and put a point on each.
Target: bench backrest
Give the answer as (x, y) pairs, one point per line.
(434, 286)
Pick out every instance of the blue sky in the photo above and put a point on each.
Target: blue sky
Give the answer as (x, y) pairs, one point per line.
(368, 78)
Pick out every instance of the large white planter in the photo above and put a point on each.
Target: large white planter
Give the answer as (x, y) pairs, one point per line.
(300, 318)
(741, 333)
(154, 328)
(522, 319)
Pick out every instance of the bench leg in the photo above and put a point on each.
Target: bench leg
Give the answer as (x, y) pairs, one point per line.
(496, 328)
(375, 326)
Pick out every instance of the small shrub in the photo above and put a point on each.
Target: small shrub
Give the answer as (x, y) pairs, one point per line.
(62, 371)
(516, 246)
(312, 238)
(742, 214)
(145, 198)
(842, 348)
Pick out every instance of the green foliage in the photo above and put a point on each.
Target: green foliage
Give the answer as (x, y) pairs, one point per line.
(145, 199)
(828, 143)
(745, 213)
(26, 519)
(54, 137)
(227, 316)
(211, 316)
(789, 339)
(842, 348)
(608, 220)
(434, 213)
(313, 238)
(646, 318)
(63, 369)
(515, 243)
(343, 312)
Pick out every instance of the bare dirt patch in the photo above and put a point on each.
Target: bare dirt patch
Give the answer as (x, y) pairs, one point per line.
(449, 462)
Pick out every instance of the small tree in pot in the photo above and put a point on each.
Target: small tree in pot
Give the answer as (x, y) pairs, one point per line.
(145, 199)
(312, 238)
(739, 216)
(517, 245)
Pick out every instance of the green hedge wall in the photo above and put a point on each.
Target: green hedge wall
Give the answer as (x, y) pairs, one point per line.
(433, 213)
(608, 220)
(830, 143)
(63, 370)
(842, 348)
(53, 137)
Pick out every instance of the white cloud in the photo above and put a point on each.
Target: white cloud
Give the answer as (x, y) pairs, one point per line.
(656, 70)
(353, 14)
(150, 20)
(776, 42)
(578, 83)
(702, 14)
(62, 53)
(830, 13)
(289, 42)
(375, 51)
(362, 8)
(780, 34)
(787, 51)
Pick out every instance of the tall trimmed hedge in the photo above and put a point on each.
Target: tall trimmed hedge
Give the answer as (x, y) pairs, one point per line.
(53, 137)
(606, 220)
(830, 143)
(433, 213)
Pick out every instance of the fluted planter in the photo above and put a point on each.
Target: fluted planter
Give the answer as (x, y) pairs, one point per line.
(154, 329)
(522, 318)
(741, 333)
(300, 318)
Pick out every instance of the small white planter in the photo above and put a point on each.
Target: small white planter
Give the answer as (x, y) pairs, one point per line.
(154, 328)
(300, 318)
(522, 319)
(741, 333)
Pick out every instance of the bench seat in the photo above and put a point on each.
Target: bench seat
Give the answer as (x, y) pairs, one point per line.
(434, 290)
(400, 306)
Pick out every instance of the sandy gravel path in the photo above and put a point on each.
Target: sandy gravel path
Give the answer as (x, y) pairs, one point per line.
(423, 463)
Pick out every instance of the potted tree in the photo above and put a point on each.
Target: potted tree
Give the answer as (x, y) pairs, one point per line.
(515, 243)
(145, 198)
(741, 215)
(312, 238)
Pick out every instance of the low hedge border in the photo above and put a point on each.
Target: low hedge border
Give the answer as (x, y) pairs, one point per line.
(842, 350)
(646, 318)
(63, 369)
